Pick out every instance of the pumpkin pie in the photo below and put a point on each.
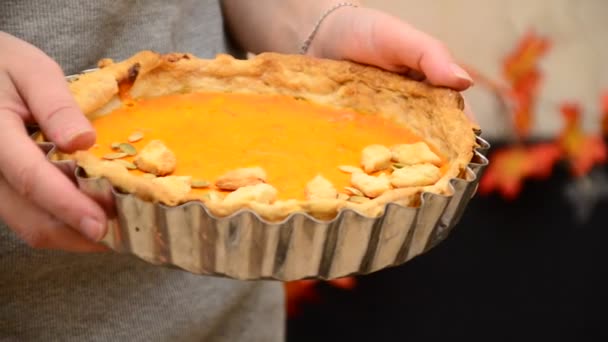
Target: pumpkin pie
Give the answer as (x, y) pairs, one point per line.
(275, 134)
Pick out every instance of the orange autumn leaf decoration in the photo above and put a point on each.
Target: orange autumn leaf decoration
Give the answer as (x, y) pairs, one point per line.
(604, 113)
(523, 99)
(524, 58)
(297, 292)
(521, 80)
(522, 72)
(300, 291)
(511, 166)
(583, 151)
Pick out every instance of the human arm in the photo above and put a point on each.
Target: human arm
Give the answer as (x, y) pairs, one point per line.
(359, 34)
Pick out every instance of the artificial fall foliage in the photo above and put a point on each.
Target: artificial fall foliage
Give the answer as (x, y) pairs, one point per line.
(512, 165)
(604, 109)
(525, 56)
(582, 151)
(522, 73)
(305, 291)
(297, 293)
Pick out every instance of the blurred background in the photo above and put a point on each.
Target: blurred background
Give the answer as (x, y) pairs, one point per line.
(482, 33)
(528, 261)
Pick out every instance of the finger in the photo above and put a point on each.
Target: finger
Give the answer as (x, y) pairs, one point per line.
(392, 44)
(405, 45)
(25, 167)
(39, 229)
(52, 105)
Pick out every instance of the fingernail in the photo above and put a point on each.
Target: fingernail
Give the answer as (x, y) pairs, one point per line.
(461, 73)
(91, 228)
(80, 139)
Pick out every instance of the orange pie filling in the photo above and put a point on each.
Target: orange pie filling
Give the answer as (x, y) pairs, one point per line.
(264, 148)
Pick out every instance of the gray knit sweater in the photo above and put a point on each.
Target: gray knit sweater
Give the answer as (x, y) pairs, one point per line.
(47, 295)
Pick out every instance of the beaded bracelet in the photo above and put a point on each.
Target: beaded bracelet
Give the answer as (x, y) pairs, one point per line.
(308, 40)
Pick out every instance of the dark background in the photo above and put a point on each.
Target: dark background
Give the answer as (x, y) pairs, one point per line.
(526, 270)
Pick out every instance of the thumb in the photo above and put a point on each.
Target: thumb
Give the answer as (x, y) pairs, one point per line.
(47, 96)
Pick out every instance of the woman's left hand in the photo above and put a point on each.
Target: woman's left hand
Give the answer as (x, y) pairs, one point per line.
(369, 36)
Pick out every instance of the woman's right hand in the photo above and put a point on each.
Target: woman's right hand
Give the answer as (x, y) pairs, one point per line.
(37, 200)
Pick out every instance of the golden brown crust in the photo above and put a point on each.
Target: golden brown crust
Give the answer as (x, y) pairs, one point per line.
(239, 178)
(415, 175)
(156, 158)
(411, 154)
(320, 188)
(258, 193)
(434, 113)
(375, 158)
(371, 186)
(170, 192)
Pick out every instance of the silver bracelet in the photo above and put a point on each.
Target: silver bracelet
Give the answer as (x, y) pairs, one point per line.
(308, 40)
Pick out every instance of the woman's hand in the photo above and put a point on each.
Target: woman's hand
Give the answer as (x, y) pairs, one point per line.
(359, 34)
(37, 201)
(373, 37)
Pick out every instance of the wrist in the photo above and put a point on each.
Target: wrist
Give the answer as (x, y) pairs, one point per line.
(326, 38)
